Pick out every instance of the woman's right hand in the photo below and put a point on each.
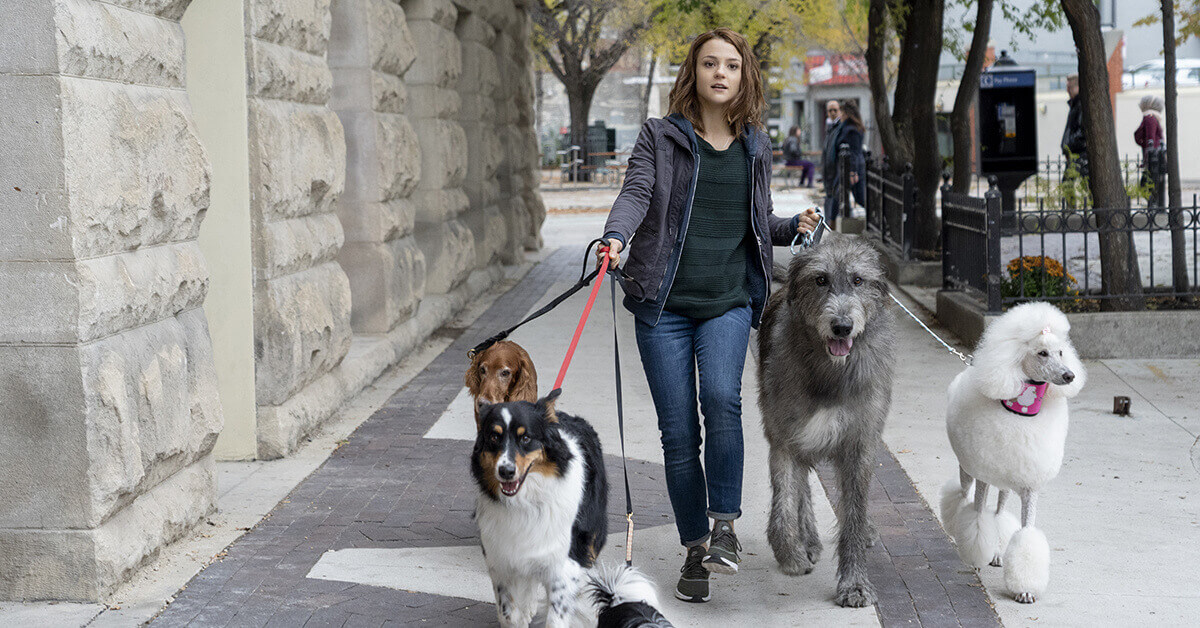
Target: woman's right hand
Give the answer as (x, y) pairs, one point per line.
(614, 253)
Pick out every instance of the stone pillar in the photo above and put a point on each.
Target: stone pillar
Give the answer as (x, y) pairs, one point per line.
(216, 83)
(512, 106)
(370, 50)
(477, 86)
(297, 170)
(525, 151)
(447, 243)
(110, 402)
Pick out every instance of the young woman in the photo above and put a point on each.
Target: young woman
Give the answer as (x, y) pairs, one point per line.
(848, 130)
(695, 213)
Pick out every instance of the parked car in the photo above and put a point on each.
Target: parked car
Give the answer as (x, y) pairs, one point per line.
(1153, 73)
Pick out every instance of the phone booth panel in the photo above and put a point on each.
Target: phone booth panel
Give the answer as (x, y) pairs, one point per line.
(1008, 121)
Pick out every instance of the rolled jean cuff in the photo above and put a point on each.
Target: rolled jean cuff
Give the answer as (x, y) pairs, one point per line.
(723, 516)
(700, 541)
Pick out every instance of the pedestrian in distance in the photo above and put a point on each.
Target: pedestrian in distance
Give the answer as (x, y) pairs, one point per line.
(1074, 139)
(848, 130)
(793, 157)
(695, 214)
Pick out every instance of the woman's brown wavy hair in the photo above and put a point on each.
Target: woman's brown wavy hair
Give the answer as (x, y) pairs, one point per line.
(747, 107)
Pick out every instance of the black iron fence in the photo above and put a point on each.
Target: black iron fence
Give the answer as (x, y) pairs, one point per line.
(1059, 179)
(1053, 252)
(891, 205)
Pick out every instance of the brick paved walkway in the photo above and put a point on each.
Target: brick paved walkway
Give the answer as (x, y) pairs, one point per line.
(914, 567)
(388, 487)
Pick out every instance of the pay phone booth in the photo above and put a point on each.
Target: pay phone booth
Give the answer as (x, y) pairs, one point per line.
(1008, 128)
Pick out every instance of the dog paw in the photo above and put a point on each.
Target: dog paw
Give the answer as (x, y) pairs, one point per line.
(795, 564)
(855, 594)
(1025, 598)
(813, 550)
(997, 561)
(872, 535)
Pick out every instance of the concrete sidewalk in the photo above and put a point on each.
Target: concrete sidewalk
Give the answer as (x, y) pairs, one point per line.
(380, 532)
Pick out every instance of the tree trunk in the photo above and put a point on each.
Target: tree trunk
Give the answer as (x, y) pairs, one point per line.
(1119, 273)
(964, 101)
(1179, 274)
(924, 46)
(579, 103)
(877, 36)
(649, 85)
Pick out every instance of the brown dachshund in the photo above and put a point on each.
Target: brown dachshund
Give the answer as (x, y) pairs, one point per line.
(502, 372)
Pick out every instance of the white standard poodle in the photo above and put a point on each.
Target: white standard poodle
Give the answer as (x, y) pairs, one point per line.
(1007, 421)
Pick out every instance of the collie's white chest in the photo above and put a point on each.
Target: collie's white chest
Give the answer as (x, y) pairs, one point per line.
(530, 533)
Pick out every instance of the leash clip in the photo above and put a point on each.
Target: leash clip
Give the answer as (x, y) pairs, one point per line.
(810, 238)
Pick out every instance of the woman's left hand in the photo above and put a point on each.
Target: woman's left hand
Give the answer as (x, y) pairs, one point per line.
(809, 219)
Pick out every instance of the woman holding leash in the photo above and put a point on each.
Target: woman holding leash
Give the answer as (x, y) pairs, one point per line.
(695, 213)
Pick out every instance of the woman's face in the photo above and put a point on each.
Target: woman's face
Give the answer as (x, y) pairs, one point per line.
(718, 72)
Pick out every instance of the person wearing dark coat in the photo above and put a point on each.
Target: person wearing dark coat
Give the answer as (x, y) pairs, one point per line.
(1074, 140)
(848, 130)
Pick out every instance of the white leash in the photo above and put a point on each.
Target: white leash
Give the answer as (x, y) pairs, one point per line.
(810, 240)
(967, 359)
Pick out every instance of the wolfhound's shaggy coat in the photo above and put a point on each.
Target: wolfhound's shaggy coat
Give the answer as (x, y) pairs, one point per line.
(825, 367)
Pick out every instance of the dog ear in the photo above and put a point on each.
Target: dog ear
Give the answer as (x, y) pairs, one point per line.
(524, 384)
(546, 404)
(480, 412)
(472, 378)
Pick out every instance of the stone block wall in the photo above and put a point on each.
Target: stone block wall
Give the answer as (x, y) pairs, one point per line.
(519, 172)
(447, 243)
(297, 153)
(477, 88)
(110, 405)
(391, 167)
(371, 49)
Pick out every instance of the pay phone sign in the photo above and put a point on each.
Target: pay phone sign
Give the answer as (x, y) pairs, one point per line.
(1007, 122)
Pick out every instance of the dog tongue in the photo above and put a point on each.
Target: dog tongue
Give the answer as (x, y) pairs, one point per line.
(839, 346)
(509, 487)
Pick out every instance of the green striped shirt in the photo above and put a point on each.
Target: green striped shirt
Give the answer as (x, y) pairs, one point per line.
(711, 278)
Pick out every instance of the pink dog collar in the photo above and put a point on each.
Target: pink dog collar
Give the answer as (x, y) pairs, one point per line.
(1029, 402)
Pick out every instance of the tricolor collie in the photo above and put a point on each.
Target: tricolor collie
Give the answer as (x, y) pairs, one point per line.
(542, 508)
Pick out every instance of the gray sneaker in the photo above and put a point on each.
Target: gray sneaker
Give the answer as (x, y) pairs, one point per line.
(693, 583)
(723, 549)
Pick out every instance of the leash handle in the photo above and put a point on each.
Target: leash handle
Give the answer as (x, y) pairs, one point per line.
(810, 238)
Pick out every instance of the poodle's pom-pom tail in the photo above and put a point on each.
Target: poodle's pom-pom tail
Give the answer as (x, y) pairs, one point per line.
(611, 586)
(1027, 562)
(975, 534)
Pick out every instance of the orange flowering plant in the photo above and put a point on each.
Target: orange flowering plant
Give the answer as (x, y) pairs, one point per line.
(1036, 276)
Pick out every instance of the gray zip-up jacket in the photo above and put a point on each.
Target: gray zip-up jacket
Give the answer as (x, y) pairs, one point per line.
(651, 214)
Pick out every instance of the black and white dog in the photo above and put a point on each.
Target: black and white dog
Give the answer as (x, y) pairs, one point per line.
(542, 508)
(625, 599)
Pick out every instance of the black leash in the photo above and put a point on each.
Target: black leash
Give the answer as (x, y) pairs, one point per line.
(585, 279)
(621, 428)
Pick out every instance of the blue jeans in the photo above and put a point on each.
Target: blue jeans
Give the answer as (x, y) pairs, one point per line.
(672, 353)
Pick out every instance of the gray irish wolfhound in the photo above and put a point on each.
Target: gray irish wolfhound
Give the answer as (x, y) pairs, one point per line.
(825, 361)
